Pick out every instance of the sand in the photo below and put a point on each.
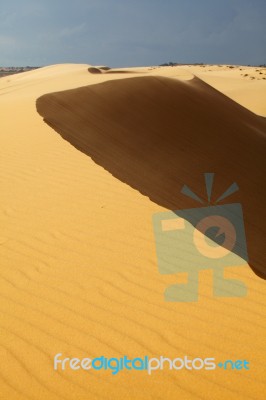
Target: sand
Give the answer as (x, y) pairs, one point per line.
(79, 272)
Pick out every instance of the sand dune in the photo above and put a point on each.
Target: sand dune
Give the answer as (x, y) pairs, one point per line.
(79, 272)
(156, 134)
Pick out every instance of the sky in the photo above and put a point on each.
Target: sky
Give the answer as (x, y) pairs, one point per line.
(121, 33)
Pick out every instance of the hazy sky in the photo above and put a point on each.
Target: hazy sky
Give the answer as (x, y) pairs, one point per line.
(132, 32)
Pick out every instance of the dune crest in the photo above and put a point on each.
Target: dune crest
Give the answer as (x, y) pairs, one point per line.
(157, 133)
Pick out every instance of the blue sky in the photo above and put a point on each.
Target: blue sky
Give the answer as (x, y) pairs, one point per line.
(130, 33)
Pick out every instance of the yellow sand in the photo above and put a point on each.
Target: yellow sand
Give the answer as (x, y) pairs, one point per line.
(78, 265)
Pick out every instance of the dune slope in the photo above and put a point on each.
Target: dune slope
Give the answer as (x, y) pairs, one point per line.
(158, 133)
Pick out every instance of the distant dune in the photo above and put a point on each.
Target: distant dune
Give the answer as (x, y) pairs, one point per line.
(157, 133)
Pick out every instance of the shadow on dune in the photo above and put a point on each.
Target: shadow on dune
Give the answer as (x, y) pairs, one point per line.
(157, 134)
(104, 68)
(107, 70)
(94, 70)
